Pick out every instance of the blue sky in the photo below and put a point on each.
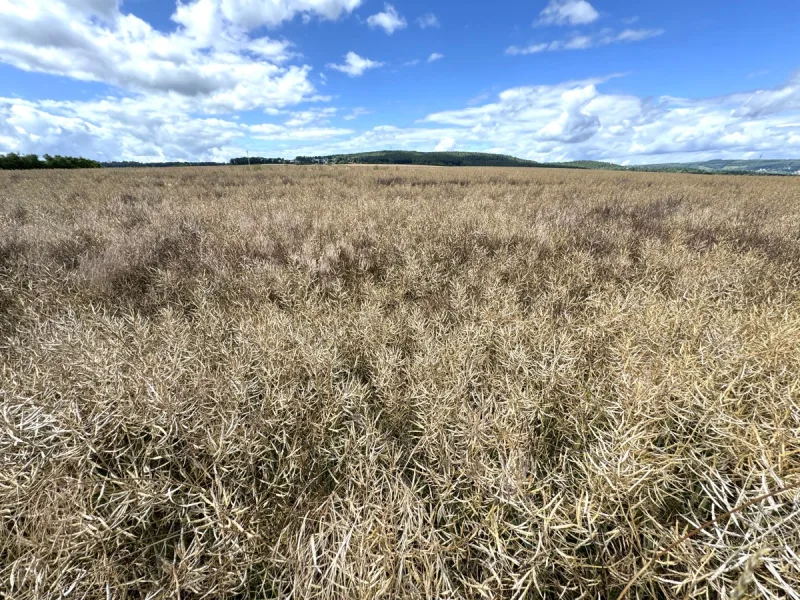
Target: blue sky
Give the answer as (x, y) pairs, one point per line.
(630, 82)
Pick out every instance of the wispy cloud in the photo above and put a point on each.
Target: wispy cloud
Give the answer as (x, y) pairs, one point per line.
(568, 12)
(388, 20)
(631, 35)
(318, 116)
(355, 65)
(583, 42)
(277, 133)
(428, 20)
(432, 58)
(355, 113)
(480, 98)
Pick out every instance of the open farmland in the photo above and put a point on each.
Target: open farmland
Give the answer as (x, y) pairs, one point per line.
(383, 382)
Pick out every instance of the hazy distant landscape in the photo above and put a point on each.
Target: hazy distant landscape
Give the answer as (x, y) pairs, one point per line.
(480, 159)
(441, 159)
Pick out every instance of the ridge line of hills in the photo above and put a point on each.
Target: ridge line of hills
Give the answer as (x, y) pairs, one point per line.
(454, 159)
(485, 159)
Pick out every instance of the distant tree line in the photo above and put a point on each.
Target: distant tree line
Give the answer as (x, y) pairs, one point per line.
(16, 161)
(406, 157)
(259, 160)
(313, 160)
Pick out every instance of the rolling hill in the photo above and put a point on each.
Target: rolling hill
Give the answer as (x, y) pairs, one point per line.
(406, 157)
(484, 159)
(769, 167)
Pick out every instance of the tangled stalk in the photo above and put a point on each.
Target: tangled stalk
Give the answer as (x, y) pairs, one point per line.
(290, 382)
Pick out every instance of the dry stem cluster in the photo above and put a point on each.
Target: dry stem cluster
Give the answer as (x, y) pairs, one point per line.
(340, 383)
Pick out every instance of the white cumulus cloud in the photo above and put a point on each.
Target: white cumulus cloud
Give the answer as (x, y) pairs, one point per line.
(435, 56)
(567, 121)
(568, 12)
(355, 65)
(388, 20)
(251, 14)
(272, 132)
(214, 62)
(444, 145)
(577, 120)
(147, 129)
(117, 129)
(174, 93)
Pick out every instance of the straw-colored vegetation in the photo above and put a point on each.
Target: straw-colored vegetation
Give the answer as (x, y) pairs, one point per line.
(384, 382)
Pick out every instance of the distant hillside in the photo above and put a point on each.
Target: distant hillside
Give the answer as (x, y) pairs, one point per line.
(406, 157)
(485, 159)
(587, 164)
(768, 167)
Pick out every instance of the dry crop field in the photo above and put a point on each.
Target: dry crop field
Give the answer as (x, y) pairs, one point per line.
(391, 382)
